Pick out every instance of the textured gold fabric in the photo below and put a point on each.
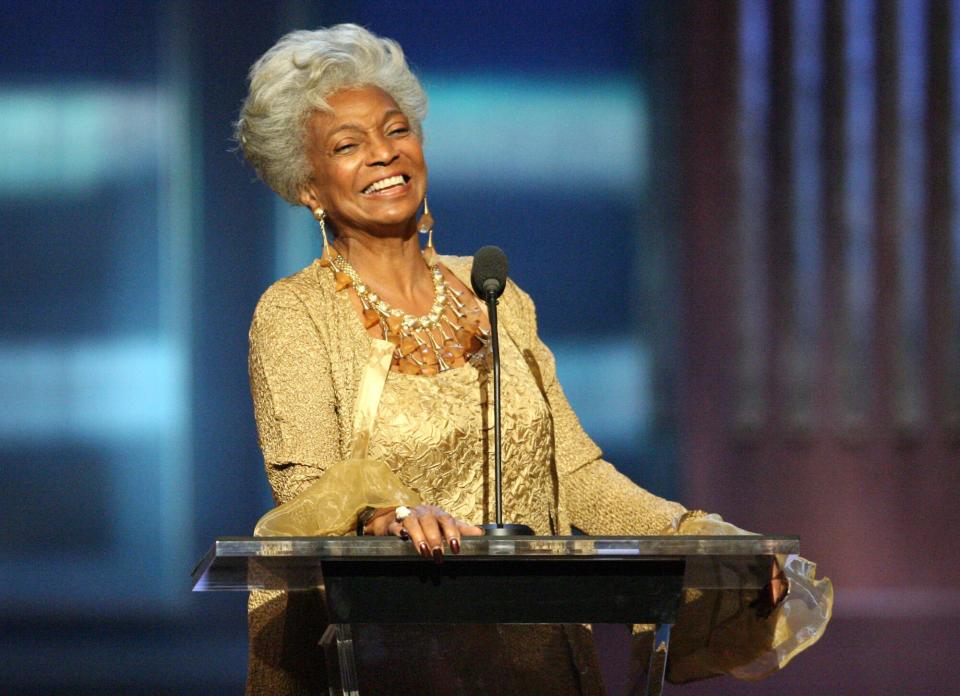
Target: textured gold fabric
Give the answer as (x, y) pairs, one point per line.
(436, 434)
(308, 353)
(602, 501)
(368, 400)
(330, 505)
(309, 358)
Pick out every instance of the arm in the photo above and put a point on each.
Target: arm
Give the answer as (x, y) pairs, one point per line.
(292, 389)
(718, 632)
(598, 499)
(601, 501)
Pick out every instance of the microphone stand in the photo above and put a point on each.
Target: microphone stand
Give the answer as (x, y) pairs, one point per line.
(499, 529)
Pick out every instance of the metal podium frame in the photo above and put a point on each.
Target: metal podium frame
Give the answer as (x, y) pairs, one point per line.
(577, 579)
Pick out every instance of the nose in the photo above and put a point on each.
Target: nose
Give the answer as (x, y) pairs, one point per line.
(383, 151)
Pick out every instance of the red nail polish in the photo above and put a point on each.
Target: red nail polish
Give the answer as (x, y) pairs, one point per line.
(424, 549)
(438, 555)
(455, 545)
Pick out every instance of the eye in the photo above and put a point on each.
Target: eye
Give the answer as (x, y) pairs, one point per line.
(344, 148)
(399, 130)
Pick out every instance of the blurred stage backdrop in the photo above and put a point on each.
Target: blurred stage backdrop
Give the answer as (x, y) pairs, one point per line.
(738, 219)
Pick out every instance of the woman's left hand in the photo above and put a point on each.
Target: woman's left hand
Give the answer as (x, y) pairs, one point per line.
(427, 526)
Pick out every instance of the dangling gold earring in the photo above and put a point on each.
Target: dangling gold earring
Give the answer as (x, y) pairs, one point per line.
(426, 227)
(320, 214)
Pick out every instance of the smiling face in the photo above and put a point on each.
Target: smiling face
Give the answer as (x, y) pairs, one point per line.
(368, 168)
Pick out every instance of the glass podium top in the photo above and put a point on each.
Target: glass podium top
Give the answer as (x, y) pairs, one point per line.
(296, 563)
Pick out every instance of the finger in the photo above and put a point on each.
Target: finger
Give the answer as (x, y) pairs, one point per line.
(412, 525)
(778, 590)
(778, 582)
(448, 526)
(431, 531)
(395, 528)
(467, 529)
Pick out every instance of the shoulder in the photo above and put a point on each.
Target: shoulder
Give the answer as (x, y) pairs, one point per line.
(518, 312)
(296, 295)
(461, 266)
(516, 306)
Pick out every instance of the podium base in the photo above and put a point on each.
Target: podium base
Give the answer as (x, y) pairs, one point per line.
(492, 529)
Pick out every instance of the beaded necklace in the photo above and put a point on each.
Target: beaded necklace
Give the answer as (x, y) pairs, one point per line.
(447, 336)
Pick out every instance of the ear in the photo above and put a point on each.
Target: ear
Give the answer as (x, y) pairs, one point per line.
(310, 199)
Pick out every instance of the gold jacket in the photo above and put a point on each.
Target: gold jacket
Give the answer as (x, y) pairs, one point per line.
(308, 357)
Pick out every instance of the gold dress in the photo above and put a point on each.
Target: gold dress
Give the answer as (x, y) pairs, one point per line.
(309, 357)
(435, 432)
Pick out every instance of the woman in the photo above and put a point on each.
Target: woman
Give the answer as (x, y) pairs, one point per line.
(370, 378)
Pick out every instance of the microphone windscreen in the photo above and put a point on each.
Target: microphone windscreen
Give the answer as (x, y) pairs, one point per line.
(489, 272)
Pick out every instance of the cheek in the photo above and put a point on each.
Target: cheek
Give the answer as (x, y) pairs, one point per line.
(413, 149)
(418, 156)
(341, 178)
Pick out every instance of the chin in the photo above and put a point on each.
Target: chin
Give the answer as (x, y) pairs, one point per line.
(394, 218)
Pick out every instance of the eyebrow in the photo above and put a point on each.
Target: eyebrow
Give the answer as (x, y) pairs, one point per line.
(390, 113)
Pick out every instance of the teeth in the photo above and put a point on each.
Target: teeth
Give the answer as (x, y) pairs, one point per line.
(384, 183)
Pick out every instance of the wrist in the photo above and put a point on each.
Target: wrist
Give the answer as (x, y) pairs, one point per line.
(364, 518)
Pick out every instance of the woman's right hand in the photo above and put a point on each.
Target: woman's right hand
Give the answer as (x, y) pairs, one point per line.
(427, 526)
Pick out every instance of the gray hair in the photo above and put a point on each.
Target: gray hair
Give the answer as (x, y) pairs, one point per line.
(289, 83)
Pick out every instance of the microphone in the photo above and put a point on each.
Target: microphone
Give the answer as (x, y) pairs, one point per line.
(489, 280)
(489, 274)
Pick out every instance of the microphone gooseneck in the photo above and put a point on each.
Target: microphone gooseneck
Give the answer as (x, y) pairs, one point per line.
(489, 280)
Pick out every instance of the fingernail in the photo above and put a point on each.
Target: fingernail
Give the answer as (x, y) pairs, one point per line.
(424, 549)
(455, 545)
(404, 534)
(438, 555)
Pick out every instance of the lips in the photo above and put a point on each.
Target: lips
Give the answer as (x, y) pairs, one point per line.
(386, 184)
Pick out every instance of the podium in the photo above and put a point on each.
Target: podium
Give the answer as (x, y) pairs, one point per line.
(508, 580)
